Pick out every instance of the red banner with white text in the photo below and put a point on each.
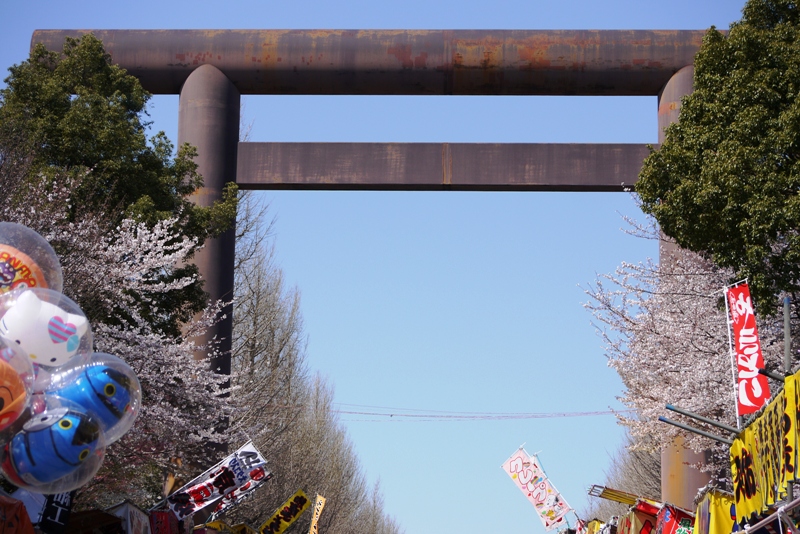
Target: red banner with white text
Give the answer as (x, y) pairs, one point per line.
(752, 389)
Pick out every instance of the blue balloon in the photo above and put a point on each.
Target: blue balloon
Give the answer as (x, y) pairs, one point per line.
(53, 444)
(101, 390)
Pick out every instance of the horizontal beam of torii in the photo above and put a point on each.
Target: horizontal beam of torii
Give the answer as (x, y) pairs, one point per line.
(421, 62)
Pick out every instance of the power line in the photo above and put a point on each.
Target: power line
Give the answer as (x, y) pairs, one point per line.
(388, 414)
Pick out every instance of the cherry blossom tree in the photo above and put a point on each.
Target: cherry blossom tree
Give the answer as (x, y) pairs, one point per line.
(664, 328)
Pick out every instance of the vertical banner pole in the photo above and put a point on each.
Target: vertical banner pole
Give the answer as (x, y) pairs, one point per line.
(787, 338)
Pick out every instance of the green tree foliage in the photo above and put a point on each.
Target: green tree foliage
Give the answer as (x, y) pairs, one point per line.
(76, 114)
(725, 182)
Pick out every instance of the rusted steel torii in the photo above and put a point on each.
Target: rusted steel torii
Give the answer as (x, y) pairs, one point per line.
(211, 69)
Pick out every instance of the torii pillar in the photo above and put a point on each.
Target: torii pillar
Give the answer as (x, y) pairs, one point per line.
(208, 119)
(680, 480)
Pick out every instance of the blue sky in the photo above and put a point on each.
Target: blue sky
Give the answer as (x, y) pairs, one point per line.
(440, 302)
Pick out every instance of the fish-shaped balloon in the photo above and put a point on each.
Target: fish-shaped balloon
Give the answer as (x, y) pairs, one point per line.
(101, 390)
(51, 445)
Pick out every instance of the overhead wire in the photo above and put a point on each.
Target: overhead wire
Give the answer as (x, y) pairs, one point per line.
(390, 414)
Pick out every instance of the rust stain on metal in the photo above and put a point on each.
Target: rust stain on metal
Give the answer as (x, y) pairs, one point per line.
(496, 62)
(668, 108)
(403, 55)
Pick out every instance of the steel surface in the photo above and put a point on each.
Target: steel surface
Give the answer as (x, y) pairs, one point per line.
(208, 118)
(439, 166)
(403, 62)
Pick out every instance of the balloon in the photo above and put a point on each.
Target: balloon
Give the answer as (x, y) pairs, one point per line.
(16, 380)
(60, 403)
(57, 450)
(27, 260)
(49, 327)
(106, 387)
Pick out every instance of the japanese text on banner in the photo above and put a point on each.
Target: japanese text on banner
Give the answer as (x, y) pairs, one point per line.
(238, 469)
(529, 477)
(752, 388)
(286, 514)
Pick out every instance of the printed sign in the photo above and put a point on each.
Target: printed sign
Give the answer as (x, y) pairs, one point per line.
(18, 270)
(672, 520)
(752, 388)
(286, 514)
(529, 477)
(715, 514)
(319, 504)
(240, 468)
(257, 478)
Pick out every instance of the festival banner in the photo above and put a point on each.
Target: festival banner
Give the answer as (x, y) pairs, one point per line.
(528, 476)
(241, 467)
(761, 461)
(594, 526)
(791, 416)
(286, 514)
(716, 514)
(752, 389)
(319, 504)
(636, 522)
(258, 477)
(672, 520)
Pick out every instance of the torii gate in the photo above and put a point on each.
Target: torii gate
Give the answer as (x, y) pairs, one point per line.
(211, 69)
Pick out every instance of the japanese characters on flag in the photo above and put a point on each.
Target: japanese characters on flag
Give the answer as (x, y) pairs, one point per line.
(752, 389)
(286, 514)
(528, 475)
(319, 504)
(240, 468)
(231, 499)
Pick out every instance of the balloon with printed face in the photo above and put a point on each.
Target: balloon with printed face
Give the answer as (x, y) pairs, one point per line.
(16, 381)
(104, 386)
(57, 450)
(48, 326)
(27, 260)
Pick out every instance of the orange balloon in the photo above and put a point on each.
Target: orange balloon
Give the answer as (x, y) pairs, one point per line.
(13, 395)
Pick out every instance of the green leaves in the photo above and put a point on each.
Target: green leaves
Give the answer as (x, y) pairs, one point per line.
(725, 181)
(76, 114)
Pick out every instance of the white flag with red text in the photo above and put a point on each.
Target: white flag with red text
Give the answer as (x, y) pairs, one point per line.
(243, 467)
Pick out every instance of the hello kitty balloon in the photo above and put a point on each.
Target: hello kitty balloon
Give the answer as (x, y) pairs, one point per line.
(49, 327)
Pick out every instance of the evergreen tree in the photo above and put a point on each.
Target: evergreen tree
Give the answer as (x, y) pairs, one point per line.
(77, 118)
(725, 181)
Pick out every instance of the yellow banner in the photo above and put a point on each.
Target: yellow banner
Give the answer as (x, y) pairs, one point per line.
(594, 526)
(764, 455)
(715, 514)
(319, 504)
(790, 429)
(286, 514)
